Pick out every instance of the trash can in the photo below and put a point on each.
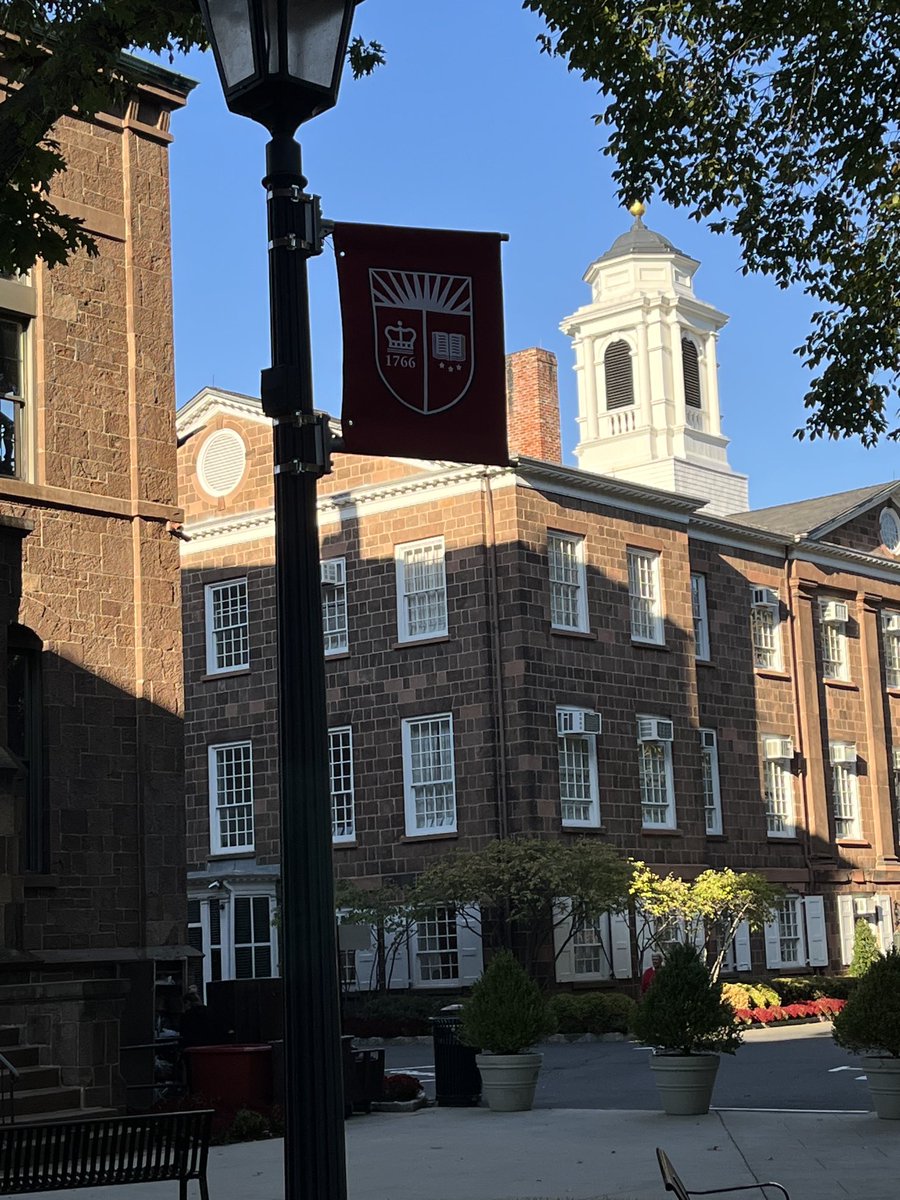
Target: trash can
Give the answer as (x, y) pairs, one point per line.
(232, 1076)
(457, 1080)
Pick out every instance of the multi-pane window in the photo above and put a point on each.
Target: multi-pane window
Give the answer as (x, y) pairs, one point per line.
(252, 937)
(701, 619)
(790, 931)
(764, 629)
(588, 949)
(578, 786)
(12, 393)
(227, 627)
(779, 786)
(421, 590)
(334, 605)
(644, 596)
(568, 601)
(655, 768)
(845, 790)
(709, 765)
(890, 626)
(437, 946)
(428, 772)
(833, 615)
(340, 763)
(231, 797)
(895, 772)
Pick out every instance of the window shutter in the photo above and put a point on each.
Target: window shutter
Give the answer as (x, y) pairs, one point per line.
(773, 945)
(742, 956)
(691, 372)
(565, 955)
(884, 910)
(620, 934)
(846, 922)
(397, 964)
(619, 376)
(365, 967)
(468, 940)
(816, 937)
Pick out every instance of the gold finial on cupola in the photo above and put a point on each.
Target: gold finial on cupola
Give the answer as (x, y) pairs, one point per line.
(637, 208)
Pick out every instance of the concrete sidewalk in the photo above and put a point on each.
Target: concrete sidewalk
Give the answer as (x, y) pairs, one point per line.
(473, 1154)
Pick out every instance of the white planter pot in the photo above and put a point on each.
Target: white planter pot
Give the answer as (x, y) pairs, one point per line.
(508, 1080)
(685, 1082)
(883, 1075)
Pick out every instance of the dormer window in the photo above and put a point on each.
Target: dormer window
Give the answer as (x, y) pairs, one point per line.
(690, 366)
(619, 375)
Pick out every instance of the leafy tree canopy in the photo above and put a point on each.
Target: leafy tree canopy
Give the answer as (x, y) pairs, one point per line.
(775, 120)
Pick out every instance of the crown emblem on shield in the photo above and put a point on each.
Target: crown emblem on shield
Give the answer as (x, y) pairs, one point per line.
(400, 338)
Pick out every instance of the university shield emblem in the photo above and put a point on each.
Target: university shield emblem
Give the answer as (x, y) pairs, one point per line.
(423, 336)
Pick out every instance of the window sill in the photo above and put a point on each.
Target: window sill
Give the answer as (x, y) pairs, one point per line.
(337, 655)
(211, 678)
(894, 691)
(36, 880)
(790, 838)
(652, 831)
(579, 635)
(716, 837)
(859, 843)
(348, 844)
(413, 642)
(770, 673)
(567, 828)
(638, 643)
(429, 837)
(224, 855)
(704, 662)
(842, 685)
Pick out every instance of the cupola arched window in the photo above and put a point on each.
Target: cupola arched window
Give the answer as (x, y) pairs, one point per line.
(619, 375)
(691, 369)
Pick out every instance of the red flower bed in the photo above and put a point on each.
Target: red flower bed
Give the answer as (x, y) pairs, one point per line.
(823, 1009)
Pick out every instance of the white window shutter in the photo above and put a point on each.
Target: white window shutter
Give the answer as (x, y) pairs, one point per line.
(773, 945)
(365, 968)
(884, 909)
(397, 963)
(565, 954)
(816, 934)
(620, 933)
(469, 947)
(742, 957)
(847, 922)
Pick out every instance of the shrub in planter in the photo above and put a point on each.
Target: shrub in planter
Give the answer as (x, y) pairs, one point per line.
(865, 949)
(506, 1013)
(683, 1011)
(401, 1087)
(870, 1023)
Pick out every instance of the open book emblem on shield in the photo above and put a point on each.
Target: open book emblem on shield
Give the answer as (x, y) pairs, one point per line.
(423, 336)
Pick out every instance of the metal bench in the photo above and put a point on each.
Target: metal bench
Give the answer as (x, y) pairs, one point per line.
(673, 1182)
(56, 1156)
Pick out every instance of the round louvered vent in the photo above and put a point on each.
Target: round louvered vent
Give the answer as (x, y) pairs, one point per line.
(221, 462)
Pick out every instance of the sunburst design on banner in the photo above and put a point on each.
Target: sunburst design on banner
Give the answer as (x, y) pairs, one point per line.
(421, 291)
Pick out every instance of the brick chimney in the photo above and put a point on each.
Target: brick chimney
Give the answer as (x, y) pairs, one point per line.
(532, 405)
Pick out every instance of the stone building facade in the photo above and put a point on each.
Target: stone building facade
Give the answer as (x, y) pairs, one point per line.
(556, 652)
(91, 750)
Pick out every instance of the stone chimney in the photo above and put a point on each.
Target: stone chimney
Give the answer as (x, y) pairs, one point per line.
(532, 405)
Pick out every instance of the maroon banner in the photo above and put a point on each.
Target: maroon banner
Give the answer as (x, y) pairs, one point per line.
(424, 367)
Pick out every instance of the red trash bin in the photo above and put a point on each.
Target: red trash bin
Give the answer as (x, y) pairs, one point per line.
(234, 1076)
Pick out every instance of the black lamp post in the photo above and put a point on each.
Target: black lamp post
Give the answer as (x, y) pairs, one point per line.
(280, 63)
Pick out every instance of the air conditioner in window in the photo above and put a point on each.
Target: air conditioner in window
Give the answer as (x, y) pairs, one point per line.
(835, 612)
(332, 573)
(568, 721)
(891, 622)
(843, 752)
(763, 597)
(778, 747)
(864, 906)
(707, 739)
(655, 729)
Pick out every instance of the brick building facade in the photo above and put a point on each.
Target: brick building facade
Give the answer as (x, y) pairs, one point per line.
(91, 807)
(745, 668)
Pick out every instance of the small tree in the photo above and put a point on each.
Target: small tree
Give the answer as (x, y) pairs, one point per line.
(390, 913)
(865, 948)
(683, 1011)
(506, 1013)
(870, 1020)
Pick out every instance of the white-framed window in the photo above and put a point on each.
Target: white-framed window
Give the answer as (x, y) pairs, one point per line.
(890, 629)
(446, 948)
(595, 950)
(231, 797)
(227, 626)
(18, 305)
(844, 789)
(833, 617)
(765, 631)
(778, 754)
(644, 596)
(421, 590)
(796, 935)
(340, 766)
(579, 789)
(568, 586)
(655, 768)
(701, 617)
(334, 605)
(428, 775)
(895, 779)
(252, 927)
(877, 909)
(709, 766)
(232, 926)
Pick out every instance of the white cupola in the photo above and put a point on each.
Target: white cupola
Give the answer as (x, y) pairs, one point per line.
(648, 392)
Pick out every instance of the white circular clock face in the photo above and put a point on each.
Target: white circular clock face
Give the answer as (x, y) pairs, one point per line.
(889, 528)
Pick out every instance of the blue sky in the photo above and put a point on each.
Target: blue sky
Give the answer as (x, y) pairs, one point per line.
(469, 126)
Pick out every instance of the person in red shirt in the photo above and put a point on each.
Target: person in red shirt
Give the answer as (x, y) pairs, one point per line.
(647, 977)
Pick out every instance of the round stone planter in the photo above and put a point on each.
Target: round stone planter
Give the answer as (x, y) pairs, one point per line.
(508, 1080)
(883, 1075)
(685, 1082)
